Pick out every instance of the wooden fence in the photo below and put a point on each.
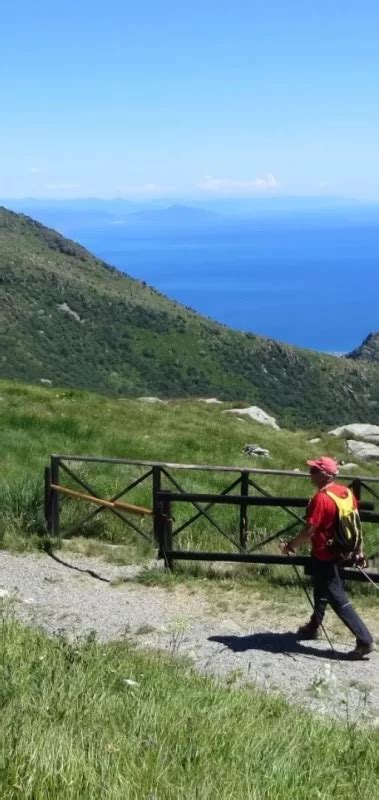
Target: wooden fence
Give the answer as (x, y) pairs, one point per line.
(243, 489)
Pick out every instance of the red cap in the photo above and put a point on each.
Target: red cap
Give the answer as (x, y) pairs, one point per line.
(324, 464)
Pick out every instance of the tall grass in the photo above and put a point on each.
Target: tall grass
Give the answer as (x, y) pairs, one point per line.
(38, 421)
(21, 509)
(89, 721)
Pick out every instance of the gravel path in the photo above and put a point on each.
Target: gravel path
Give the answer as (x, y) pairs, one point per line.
(244, 647)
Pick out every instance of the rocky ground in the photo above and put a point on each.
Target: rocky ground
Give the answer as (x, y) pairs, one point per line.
(235, 644)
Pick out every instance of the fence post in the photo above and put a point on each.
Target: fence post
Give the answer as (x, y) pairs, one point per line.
(167, 532)
(356, 488)
(47, 498)
(54, 499)
(157, 521)
(159, 529)
(243, 510)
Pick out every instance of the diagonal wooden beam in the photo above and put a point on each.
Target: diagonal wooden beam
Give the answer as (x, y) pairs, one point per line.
(207, 508)
(273, 536)
(115, 511)
(96, 511)
(99, 501)
(201, 510)
(265, 493)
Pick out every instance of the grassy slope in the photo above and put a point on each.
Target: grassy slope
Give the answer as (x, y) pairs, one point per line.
(134, 341)
(39, 421)
(72, 729)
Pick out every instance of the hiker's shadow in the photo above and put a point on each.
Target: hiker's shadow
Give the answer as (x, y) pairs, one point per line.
(270, 642)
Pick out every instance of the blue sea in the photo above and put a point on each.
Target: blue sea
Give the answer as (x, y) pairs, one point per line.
(310, 279)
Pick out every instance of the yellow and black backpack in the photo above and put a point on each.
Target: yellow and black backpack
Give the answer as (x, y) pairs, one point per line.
(347, 538)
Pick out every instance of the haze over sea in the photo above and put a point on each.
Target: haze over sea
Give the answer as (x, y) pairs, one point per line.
(307, 278)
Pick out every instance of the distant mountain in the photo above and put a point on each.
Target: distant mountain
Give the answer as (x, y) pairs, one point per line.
(368, 350)
(67, 219)
(234, 205)
(75, 219)
(102, 205)
(175, 216)
(71, 216)
(68, 318)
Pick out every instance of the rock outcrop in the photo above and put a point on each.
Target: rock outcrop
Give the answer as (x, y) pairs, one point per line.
(151, 400)
(255, 450)
(368, 350)
(362, 431)
(256, 414)
(67, 310)
(363, 450)
(210, 401)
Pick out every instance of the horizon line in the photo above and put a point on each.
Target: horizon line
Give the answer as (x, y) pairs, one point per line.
(179, 199)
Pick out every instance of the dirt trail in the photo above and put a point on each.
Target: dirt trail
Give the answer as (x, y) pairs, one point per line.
(252, 644)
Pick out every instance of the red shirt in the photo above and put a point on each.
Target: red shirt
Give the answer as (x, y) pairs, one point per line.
(322, 514)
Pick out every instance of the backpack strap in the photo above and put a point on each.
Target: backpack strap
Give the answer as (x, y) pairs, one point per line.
(344, 504)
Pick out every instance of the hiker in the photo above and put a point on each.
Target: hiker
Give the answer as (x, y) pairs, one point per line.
(322, 523)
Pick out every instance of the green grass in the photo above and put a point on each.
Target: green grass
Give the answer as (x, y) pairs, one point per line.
(74, 729)
(38, 421)
(243, 584)
(127, 340)
(95, 548)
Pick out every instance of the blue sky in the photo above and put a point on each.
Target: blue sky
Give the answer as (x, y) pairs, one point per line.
(205, 99)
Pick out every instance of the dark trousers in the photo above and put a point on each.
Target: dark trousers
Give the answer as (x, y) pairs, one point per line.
(328, 588)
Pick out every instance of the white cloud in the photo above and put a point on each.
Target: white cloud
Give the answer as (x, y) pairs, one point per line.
(231, 186)
(34, 170)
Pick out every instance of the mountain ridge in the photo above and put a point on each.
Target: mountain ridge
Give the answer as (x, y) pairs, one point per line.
(69, 318)
(176, 216)
(368, 350)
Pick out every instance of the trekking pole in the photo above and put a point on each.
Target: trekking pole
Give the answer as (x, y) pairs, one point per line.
(363, 572)
(305, 590)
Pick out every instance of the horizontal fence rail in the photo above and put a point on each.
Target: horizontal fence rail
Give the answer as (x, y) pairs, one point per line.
(261, 558)
(248, 500)
(202, 467)
(169, 554)
(245, 492)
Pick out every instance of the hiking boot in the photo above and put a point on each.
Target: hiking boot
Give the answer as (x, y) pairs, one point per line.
(308, 632)
(361, 650)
